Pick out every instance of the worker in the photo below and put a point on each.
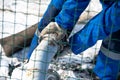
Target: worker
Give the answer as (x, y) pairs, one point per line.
(62, 15)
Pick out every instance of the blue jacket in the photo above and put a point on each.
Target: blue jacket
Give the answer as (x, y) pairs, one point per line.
(102, 25)
(66, 14)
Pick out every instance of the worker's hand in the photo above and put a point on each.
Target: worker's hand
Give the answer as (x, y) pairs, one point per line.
(53, 28)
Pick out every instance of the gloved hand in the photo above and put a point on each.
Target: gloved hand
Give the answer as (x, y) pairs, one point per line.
(53, 28)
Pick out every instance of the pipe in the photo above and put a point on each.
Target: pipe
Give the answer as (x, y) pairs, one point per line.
(36, 68)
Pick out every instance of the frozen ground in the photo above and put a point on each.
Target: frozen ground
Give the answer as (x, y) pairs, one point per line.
(14, 18)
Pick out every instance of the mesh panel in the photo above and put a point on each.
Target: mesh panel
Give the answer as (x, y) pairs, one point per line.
(18, 23)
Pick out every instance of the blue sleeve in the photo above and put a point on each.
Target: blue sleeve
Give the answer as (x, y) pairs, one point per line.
(70, 13)
(58, 3)
(102, 25)
(52, 11)
(112, 17)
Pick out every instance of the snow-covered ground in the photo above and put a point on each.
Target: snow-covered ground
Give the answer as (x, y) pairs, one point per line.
(21, 14)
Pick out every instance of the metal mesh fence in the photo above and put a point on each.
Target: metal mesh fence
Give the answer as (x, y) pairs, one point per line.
(18, 23)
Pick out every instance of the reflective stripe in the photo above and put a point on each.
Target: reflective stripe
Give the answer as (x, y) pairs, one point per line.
(110, 54)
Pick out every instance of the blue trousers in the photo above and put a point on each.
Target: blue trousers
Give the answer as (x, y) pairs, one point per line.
(106, 68)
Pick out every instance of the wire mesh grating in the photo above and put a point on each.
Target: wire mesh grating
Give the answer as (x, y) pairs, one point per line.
(18, 23)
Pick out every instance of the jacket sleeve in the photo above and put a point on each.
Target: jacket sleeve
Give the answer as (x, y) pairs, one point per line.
(70, 13)
(112, 17)
(52, 11)
(102, 25)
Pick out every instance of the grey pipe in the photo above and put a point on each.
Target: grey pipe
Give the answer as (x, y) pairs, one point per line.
(37, 67)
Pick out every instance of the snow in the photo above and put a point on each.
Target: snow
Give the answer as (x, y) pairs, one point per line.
(19, 15)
